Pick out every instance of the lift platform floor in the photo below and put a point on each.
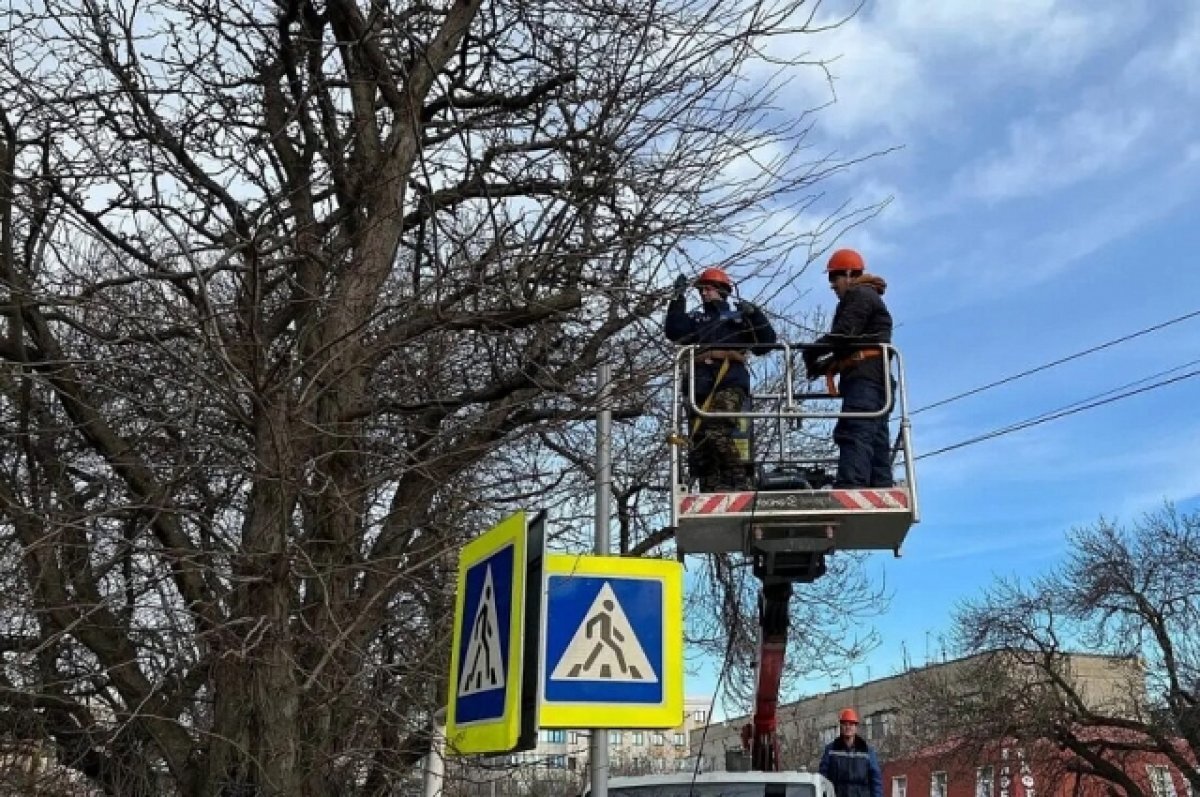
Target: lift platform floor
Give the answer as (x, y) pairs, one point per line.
(793, 520)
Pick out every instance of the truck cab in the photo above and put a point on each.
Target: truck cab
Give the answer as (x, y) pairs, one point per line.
(722, 784)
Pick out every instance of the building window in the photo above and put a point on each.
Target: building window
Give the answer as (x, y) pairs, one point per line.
(557, 762)
(937, 785)
(699, 716)
(638, 737)
(572, 763)
(900, 786)
(659, 739)
(554, 736)
(879, 724)
(614, 737)
(1161, 784)
(680, 740)
(985, 782)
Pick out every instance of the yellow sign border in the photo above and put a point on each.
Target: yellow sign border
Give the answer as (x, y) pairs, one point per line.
(668, 713)
(501, 734)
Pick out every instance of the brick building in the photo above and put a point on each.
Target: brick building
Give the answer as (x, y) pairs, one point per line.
(941, 768)
(1015, 770)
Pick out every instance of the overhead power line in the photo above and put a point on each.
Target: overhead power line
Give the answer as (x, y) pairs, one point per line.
(1079, 406)
(1059, 361)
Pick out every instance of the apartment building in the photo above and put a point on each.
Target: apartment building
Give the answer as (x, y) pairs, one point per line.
(560, 762)
(807, 725)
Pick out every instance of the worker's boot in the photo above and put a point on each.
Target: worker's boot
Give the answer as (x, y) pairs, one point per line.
(739, 479)
(743, 483)
(728, 481)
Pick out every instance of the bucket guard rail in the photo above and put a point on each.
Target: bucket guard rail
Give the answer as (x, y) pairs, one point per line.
(788, 525)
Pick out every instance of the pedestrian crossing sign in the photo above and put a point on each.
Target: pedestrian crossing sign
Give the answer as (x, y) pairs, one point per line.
(612, 643)
(491, 706)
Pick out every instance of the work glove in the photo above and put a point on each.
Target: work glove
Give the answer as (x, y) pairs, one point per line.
(817, 363)
(749, 308)
(681, 286)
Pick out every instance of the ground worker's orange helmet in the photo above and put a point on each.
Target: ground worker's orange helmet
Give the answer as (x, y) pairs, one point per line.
(848, 715)
(715, 276)
(845, 260)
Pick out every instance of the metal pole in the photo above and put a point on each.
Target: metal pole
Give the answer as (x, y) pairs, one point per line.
(598, 744)
(603, 463)
(435, 761)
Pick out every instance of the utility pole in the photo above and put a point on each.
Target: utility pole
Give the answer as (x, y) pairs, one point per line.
(435, 761)
(598, 744)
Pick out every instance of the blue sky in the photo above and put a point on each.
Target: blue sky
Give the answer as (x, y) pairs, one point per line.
(1045, 200)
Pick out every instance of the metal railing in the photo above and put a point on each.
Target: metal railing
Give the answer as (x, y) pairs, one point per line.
(791, 406)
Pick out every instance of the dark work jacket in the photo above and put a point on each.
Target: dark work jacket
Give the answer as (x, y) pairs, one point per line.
(861, 317)
(853, 769)
(715, 325)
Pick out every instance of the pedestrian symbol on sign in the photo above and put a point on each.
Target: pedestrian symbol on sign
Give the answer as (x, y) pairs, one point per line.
(605, 647)
(485, 665)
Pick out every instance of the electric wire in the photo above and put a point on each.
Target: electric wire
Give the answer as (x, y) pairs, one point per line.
(708, 718)
(1098, 400)
(1030, 371)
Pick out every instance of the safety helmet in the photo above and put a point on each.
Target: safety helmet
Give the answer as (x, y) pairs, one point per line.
(715, 276)
(848, 714)
(845, 260)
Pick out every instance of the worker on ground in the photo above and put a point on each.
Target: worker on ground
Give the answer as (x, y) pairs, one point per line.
(726, 337)
(850, 763)
(861, 318)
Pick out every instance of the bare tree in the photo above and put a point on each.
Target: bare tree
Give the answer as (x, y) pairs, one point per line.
(297, 296)
(1128, 592)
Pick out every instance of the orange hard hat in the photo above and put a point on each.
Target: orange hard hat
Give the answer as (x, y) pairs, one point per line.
(846, 260)
(848, 714)
(714, 276)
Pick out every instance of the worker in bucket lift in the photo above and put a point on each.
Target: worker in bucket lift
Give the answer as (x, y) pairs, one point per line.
(864, 445)
(719, 451)
(850, 763)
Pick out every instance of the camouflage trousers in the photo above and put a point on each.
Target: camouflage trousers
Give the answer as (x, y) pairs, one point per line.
(719, 452)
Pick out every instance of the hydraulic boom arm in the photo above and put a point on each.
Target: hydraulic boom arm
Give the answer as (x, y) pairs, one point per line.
(759, 739)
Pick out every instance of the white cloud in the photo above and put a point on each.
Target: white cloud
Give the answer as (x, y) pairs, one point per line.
(917, 65)
(878, 85)
(1175, 62)
(1047, 156)
(1037, 37)
(1163, 469)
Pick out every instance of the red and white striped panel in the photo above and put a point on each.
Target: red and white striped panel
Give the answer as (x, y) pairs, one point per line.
(717, 504)
(871, 499)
